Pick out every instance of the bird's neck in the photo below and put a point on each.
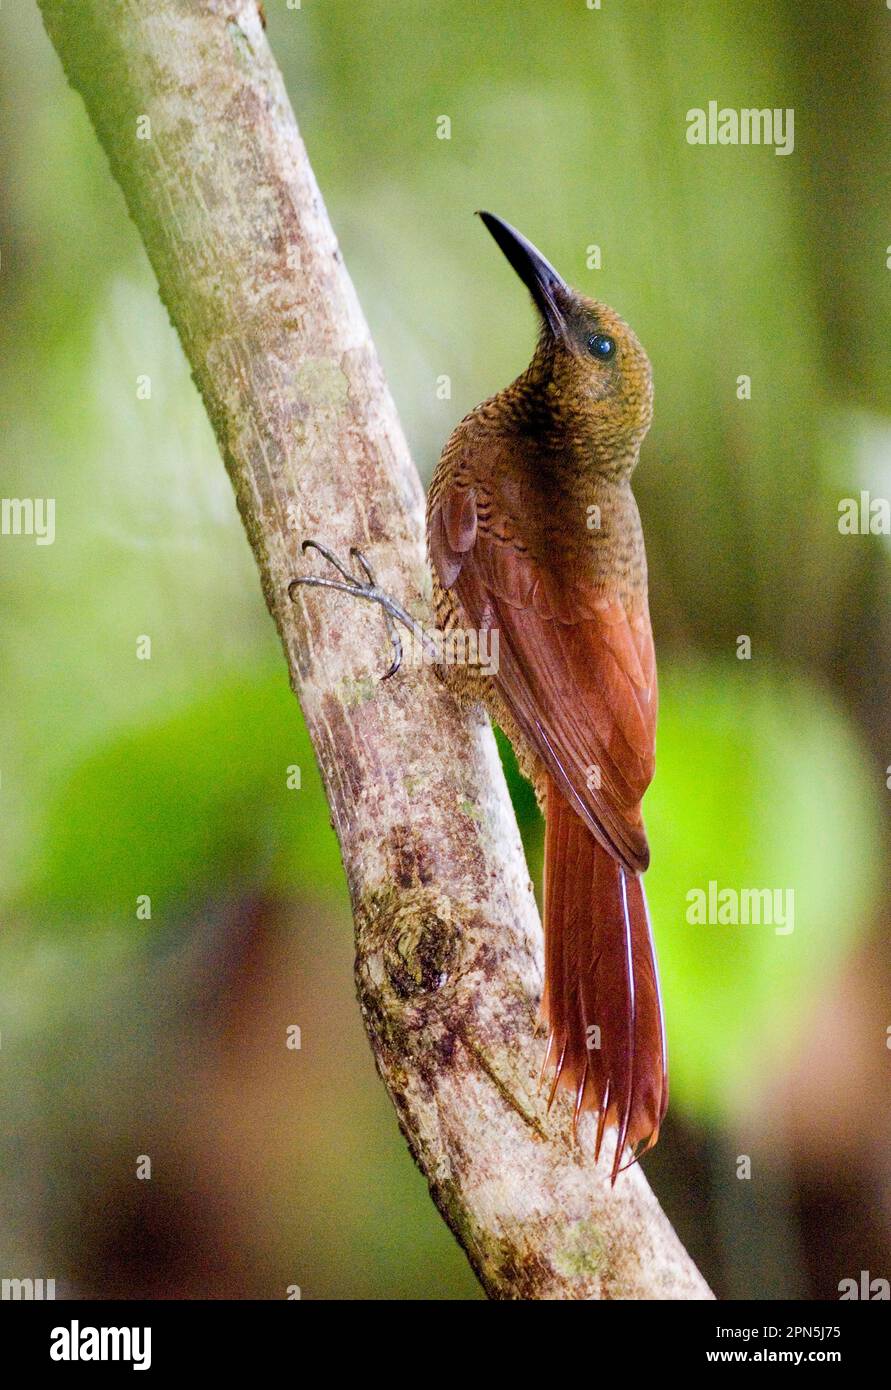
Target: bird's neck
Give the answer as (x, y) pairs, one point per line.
(582, 441)
(588, 518)
(616, 550)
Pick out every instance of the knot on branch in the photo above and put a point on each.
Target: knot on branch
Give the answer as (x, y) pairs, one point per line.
(420, 949)
(412, 937)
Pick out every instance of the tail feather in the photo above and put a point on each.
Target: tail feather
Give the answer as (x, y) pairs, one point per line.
(606, 1038)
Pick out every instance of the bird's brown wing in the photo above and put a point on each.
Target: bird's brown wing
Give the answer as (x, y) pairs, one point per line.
(577, 673)
(576, 667)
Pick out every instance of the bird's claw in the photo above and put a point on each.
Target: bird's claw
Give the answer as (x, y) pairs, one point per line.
(366, 588)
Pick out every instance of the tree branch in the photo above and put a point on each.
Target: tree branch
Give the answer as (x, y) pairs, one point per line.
(447, 936)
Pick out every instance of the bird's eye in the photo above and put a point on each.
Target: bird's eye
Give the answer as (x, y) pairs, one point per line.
(601, 346)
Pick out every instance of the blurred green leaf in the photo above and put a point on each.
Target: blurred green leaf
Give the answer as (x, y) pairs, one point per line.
(760, 783)
(189, 808)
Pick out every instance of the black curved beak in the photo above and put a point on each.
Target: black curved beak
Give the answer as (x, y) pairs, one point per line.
(537, 274)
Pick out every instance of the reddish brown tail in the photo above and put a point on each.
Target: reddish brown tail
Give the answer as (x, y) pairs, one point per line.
(601, 1000)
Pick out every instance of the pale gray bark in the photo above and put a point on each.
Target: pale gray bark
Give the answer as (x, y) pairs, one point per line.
(447, 935)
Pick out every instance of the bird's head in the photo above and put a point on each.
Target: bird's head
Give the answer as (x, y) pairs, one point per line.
(591, 371)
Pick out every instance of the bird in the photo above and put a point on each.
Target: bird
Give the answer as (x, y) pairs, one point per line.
(533, 532)
(537, 553)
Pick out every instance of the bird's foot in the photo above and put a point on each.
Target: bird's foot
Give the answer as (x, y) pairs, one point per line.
(366, 588)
